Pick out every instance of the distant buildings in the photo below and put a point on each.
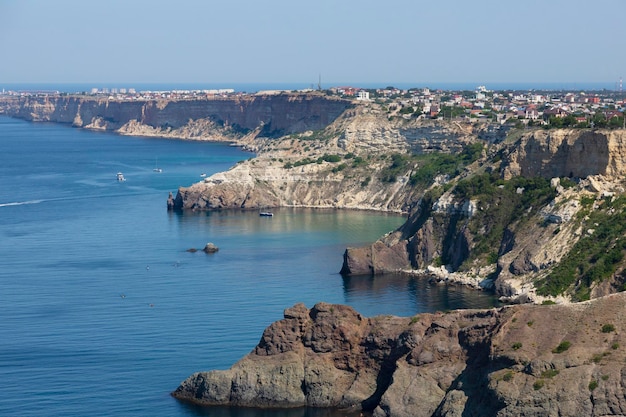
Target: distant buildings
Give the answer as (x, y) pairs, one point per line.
(593, 108)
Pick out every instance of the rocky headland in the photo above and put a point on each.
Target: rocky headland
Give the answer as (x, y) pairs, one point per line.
(486, 206)
(522, 212)
(349, 164)
(238, 119)
(530, 360)
(536, 215)
(517, 218)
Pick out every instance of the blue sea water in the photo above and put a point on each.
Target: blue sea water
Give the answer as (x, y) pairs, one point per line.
(104, 311)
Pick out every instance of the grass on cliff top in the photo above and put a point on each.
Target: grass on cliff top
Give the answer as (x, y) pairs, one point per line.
(501, 204)
(595, 257)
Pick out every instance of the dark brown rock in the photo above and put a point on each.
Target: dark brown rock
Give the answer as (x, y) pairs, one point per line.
(498, 362)
(375, 259)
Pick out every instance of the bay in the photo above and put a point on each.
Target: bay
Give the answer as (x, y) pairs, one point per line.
(104, 311)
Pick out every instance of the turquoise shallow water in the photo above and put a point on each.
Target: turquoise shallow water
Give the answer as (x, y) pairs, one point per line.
(103, 311)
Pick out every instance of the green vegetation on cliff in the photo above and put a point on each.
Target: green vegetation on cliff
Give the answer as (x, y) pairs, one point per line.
(501, 205)
(597, 254)
(426, 167)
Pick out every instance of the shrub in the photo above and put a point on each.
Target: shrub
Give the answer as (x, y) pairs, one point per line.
(608, 328)
(593, 384)
(597, 358)
(549, 373)
(339, 167)
(567, 183)
(507, 376)
(562, 347)
(538, 384)
(516, 345)
(331, 158)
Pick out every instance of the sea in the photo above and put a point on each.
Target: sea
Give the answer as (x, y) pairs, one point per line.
(251, 87)
(105, 307)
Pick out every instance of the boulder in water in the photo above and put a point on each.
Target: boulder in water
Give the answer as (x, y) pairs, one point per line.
(210, 248)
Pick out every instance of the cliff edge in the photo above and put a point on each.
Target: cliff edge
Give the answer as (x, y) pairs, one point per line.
(237, 119)
(535, 218)
(532, 360)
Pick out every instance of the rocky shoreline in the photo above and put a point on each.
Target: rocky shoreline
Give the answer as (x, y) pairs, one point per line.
(532, 360)
(503, 220)
(315, 151)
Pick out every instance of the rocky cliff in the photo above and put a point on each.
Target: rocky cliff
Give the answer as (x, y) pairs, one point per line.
(211, 118)
(513, 219)
(298, 170)
(568, 153)
(559, 360)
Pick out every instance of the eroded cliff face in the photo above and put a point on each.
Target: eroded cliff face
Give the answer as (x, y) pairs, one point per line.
(509, 237)
(518, 360)
(216, 119)
(568, 153)
(276, 176)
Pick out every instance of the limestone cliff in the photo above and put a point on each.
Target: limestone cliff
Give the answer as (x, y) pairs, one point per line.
(568, 153)
(565, 360)
(206, 119)
(496, 227)
(293, 171)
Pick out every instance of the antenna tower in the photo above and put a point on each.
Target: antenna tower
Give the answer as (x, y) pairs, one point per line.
(319, 83)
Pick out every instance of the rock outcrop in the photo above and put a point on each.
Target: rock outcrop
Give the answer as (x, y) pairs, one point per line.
(278, 175)
(222, 119)
(508, 237)
(565, 360)
(568, 153)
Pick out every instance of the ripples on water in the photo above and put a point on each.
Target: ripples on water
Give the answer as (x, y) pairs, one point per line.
(103, 311)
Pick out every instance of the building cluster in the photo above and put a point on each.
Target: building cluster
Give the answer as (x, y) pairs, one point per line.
(534, 107)
(526, 107)
(131, 94)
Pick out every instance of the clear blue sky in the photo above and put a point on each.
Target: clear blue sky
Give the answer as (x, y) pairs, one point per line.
(274, 41)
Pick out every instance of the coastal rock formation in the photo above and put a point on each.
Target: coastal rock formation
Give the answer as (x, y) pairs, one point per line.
(564, 360)
(487, 232)
(210, 248)
(222, 119)
(568, 153)
(477, 221)
(293, 172)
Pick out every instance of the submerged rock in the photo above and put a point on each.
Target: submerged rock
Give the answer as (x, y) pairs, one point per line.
(210, 248)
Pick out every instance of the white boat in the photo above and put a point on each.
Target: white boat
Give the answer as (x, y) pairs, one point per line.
(120, 177)
(203, 175)
(156, 166)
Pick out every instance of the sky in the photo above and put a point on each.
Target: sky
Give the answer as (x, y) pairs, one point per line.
(301, 41)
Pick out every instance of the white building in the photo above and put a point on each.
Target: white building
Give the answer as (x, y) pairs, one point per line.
(363, 95)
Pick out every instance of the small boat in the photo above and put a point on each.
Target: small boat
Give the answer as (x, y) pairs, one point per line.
(203, 175)
(120, 177)
(156, 166)
(266, 214)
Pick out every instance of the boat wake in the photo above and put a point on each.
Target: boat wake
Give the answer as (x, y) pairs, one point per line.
(135, 191)
(21, 203)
